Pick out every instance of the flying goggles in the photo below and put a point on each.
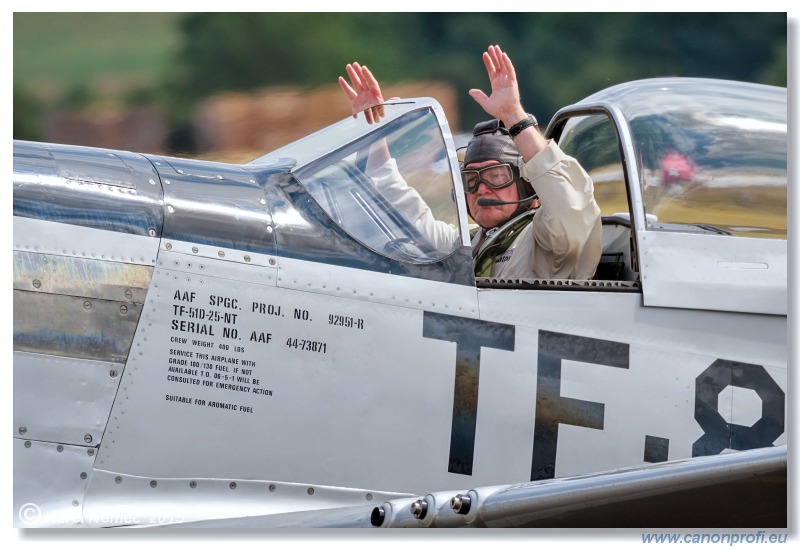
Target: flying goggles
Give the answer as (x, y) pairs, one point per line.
(496, 176)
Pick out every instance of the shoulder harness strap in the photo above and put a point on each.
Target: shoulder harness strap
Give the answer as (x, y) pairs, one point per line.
(499, 242)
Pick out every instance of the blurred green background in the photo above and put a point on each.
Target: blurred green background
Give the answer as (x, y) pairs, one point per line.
(97, 61)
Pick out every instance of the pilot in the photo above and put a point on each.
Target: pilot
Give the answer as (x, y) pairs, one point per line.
(534, 204)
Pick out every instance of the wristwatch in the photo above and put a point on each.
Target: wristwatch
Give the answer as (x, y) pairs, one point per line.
(522, 124)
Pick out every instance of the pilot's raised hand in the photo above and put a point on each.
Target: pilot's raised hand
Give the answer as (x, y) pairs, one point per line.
(504, 102)
(364, 92)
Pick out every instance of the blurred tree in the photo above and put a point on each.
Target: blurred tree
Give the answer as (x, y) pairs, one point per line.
(76, 97)
(733, 46)
(244, 51)
(27, 116)
(563, 57)
(247, 51)
(775, 72)
(560, 57)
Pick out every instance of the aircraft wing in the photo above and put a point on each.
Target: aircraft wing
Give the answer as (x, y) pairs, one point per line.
(740, 489)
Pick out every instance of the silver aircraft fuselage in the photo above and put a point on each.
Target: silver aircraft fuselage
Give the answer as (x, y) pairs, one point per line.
(202, 341)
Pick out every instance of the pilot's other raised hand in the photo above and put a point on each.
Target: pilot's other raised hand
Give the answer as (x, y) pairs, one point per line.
(504, 102)
(364, 93)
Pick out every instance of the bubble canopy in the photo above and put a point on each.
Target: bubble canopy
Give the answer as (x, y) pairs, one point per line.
(706, 152)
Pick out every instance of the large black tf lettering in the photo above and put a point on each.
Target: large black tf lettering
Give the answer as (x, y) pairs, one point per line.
(551, 408)
(469, 336)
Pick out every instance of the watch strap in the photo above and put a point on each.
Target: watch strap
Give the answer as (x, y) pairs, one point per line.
(527, 122)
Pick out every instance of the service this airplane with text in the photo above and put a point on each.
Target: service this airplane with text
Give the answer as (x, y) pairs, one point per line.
(276, 344)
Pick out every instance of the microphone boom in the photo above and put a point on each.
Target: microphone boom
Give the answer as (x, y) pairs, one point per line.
(494, 202)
